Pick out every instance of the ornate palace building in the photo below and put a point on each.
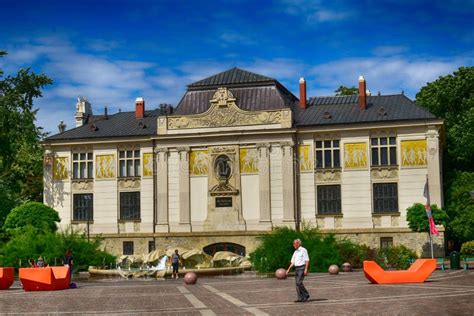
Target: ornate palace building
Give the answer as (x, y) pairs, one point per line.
(240, 155)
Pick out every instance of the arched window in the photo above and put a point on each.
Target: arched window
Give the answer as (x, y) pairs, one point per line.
(224, 246)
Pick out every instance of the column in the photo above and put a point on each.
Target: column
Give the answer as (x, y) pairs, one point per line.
(434, 170)
(264, 182)
(162, 189)
(288, 183)
(184, 194)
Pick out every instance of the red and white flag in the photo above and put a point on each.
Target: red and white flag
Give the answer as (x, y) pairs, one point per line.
(433, 230)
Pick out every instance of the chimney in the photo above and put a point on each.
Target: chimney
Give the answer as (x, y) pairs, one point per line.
(139, 108)
(302, 93)
(106, 114)
(362, 94)
(62, 127)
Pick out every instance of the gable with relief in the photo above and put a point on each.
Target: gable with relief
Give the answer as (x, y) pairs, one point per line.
(224, 112)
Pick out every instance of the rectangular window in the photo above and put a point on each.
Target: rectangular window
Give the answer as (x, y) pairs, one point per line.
(151, 246)
(386, 242)
(385, 198)
(130, 205)
(128, 248)
(82, 166)
(327, 154)
(83, 209)
(384, 151)
(129, 163)
(329, 199)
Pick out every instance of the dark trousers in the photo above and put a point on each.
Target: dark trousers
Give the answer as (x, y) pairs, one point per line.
(300, 289)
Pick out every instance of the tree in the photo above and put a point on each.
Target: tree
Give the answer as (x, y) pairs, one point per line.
(418, 221)
(452, 98)
(20, 151)
(37, 215)
(461, 206)
(342, 90)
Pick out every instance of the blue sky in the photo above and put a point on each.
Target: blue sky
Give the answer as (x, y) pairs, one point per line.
(115, 51)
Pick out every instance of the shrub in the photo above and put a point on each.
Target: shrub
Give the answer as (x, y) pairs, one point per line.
(355, 254)
(418, 221)
(31, 244)
(276, 249)
(34, 214)
(467, 248)
(396, 257)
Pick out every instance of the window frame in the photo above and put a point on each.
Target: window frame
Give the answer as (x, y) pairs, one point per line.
(77, 161)
(132, 215)
(324, 204)
(386, 242)
(133, 160)
(323, 149)
(382, 200)
(90, 212)
(127, 245)
(389, 146)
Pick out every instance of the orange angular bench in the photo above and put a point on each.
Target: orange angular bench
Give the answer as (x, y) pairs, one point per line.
(45, 279)
(6, 278)
(418, 272)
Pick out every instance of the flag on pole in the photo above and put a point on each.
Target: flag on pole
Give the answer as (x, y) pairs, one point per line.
(433, 230)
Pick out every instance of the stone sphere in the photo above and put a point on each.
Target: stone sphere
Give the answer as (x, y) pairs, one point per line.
(190, 278)
(333, 269)
(280, 274)
(346, 267)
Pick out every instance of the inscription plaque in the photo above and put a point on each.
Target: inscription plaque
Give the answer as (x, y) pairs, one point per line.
(224, 201)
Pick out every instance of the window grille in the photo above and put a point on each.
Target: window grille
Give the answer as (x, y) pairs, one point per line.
(329, 199)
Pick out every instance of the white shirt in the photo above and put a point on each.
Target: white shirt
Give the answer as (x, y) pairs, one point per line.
(300, 256)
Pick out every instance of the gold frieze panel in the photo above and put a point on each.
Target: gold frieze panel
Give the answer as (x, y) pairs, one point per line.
(248, 160)
(105, 166)
(60, 168)
(414, 153)
(355, 155)
(305, 161)
(225, 112)
(198, 163)
(147, 164)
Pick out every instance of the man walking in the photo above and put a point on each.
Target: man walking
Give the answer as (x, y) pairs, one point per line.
(300, 261)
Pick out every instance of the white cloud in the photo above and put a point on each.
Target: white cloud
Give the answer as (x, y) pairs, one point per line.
(388, 75)
(389, 50)
(316, 11)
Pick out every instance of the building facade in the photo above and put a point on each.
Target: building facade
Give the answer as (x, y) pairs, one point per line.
(239, 156)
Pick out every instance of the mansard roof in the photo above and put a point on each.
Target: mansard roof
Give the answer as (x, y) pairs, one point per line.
(122, 124)
(233, 76)
(345, 110)
(255, 92)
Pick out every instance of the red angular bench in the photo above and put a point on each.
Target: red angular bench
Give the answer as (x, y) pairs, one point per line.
(6, 278)
(45, 279)
(419, 271)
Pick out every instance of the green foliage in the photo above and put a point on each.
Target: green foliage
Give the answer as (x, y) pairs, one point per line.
(460, 206)
(451, 97)
(20, 151)
(31, 244)
(467, 248)
(418, 221)
(396, 257)
(34, 214)
(342, 90)
(276, 249)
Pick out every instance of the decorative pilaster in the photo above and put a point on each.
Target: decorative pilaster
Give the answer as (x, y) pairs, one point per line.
(288, 183)
(184, 191)
(264, 182)
(434, 174)
(162, 188)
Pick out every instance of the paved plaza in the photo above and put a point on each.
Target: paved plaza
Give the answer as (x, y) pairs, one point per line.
(445, 293)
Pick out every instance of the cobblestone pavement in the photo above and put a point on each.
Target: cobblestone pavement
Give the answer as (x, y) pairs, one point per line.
(445, 293)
